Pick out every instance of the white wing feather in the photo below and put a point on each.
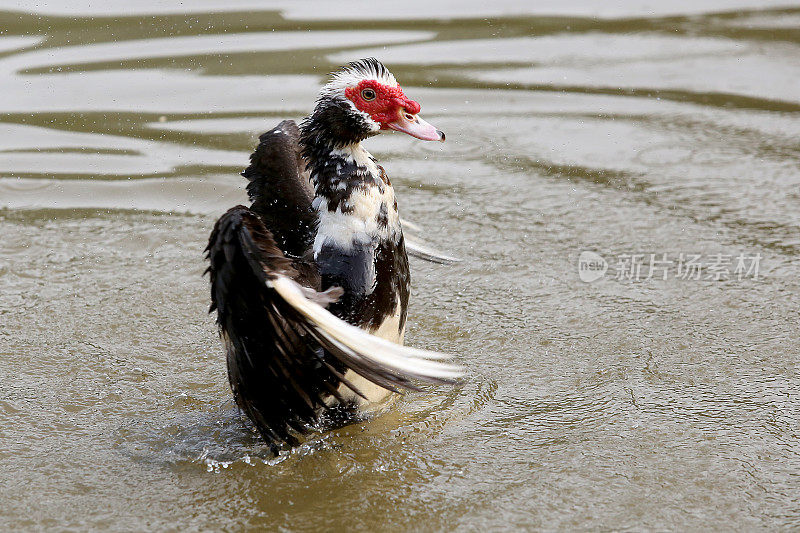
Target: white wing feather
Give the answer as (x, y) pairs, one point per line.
(402, 360)
(419, 249)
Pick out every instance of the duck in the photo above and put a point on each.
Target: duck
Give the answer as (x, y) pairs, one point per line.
(311, 282)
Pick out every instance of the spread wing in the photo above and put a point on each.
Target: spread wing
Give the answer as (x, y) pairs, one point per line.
(286, 354)
(280, 188)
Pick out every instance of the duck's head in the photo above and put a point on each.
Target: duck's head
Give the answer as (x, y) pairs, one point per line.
(363, 99)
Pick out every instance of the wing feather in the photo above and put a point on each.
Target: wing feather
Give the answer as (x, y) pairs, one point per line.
(418, 248)
(287, 355)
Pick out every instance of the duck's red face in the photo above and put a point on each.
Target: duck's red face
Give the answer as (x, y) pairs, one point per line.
(389, 107)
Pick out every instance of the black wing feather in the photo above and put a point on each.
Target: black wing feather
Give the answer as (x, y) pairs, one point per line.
(280, 189)
(278, 374)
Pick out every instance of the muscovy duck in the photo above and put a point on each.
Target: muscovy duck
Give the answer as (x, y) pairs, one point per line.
(311, 282)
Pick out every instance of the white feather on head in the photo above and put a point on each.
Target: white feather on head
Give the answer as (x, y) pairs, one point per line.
(356, 71)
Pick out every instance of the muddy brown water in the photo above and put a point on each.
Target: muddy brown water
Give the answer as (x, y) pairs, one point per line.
(628, 129)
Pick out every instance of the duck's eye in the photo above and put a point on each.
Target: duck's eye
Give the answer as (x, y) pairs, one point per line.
(368, 94)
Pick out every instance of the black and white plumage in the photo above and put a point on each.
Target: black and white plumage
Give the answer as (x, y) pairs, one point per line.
(311, 282)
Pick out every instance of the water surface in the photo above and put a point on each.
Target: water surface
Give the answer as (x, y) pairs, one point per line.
(619, 128)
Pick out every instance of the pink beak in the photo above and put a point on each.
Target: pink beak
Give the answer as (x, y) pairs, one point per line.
(415, 126)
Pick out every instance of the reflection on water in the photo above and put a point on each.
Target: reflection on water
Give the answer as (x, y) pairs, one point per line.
(627, 127)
